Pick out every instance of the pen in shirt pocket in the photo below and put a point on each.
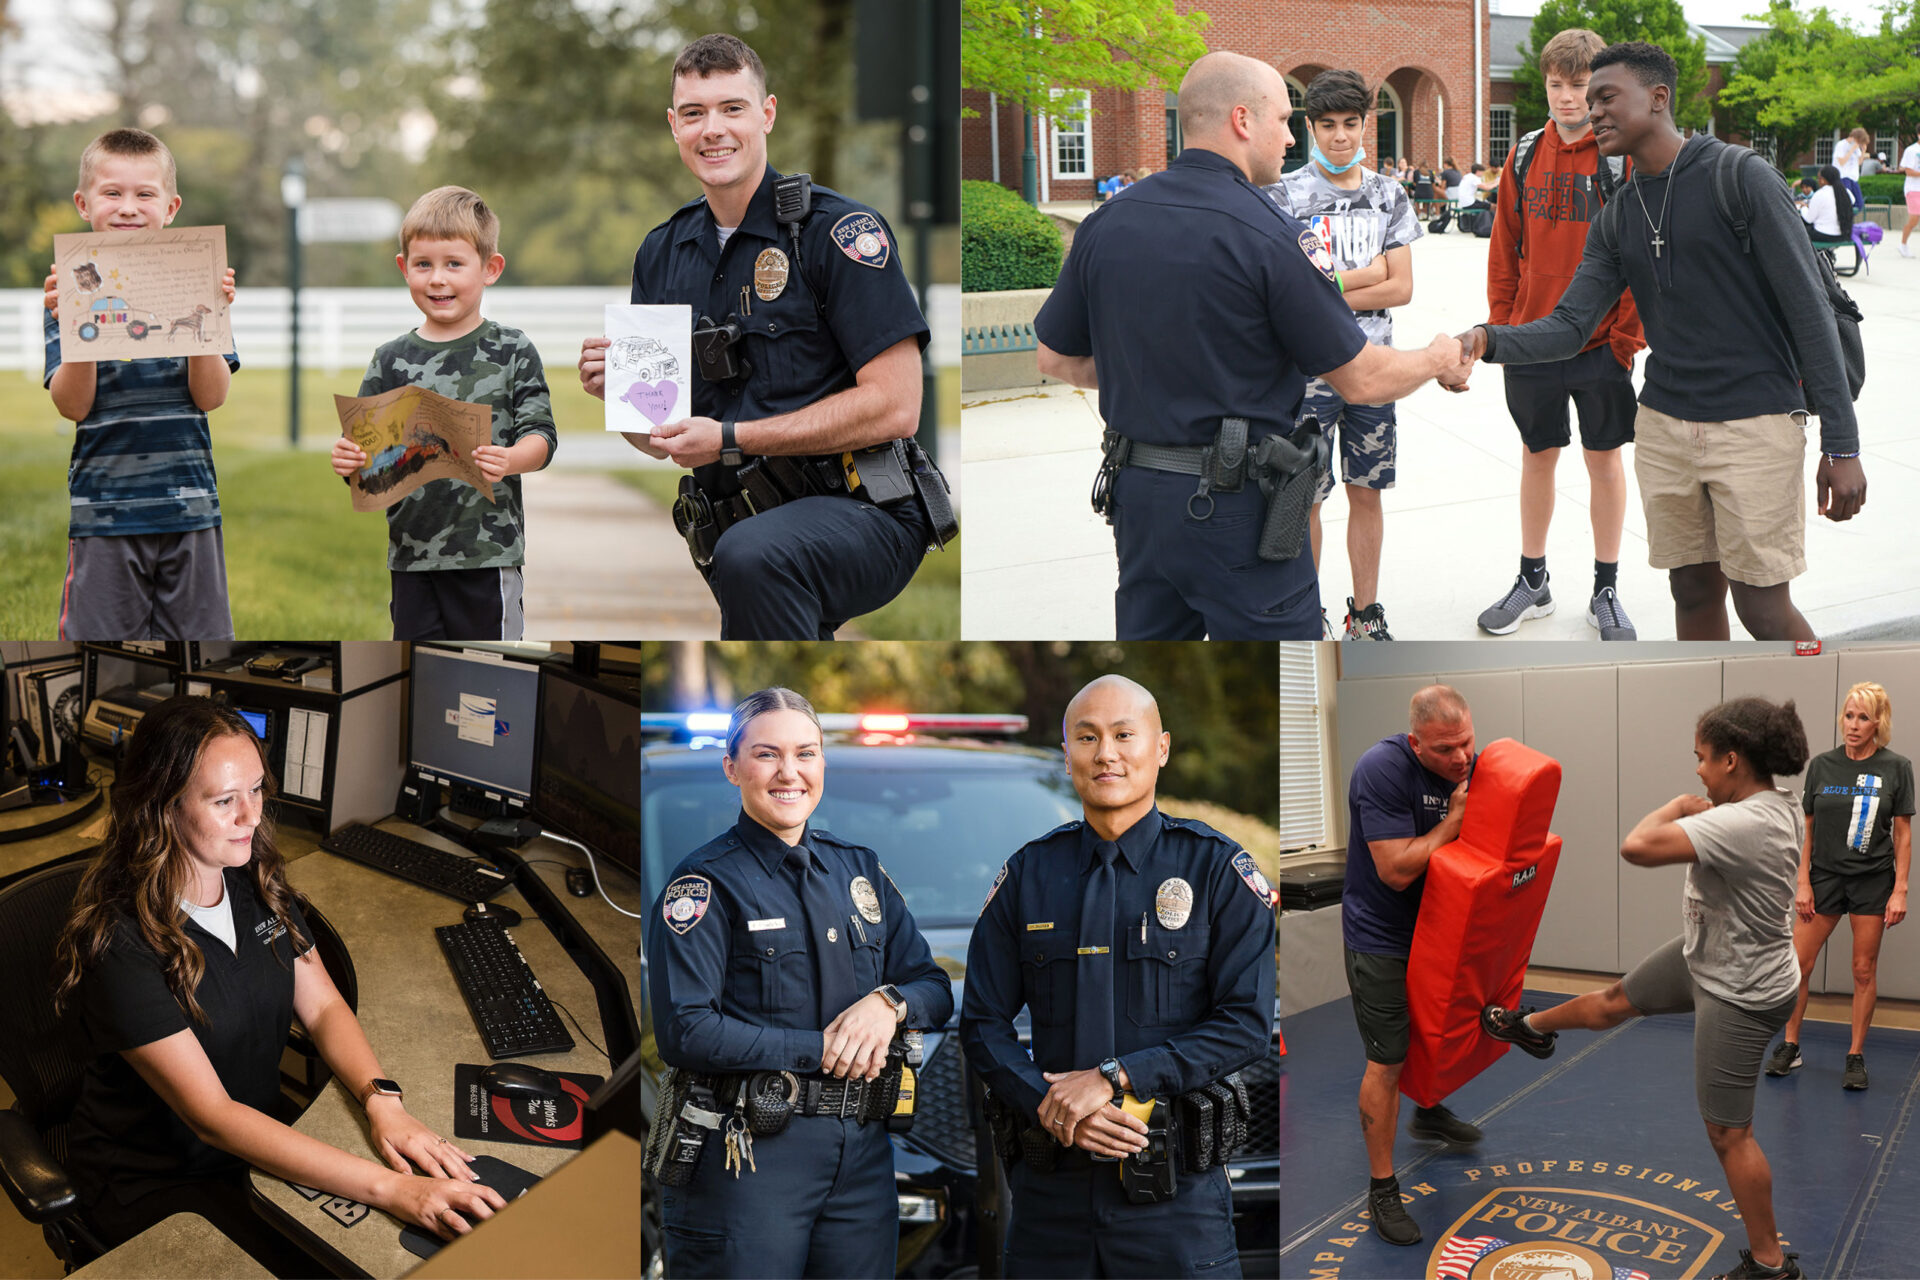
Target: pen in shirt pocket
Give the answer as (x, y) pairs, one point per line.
(1143, 927)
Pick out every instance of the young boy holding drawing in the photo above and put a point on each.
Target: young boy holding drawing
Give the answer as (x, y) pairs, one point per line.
(145, 559)
(455, 557)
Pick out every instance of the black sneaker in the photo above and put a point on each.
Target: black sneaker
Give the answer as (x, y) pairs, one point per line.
(1510, 1025)
(1369, 623)
(1751, 1270)
(1390, 1216)
(1437, 1124)
(1856, 1076)
(1786, 1058)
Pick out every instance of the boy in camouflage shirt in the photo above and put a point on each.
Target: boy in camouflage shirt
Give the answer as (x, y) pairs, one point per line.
(455, 559)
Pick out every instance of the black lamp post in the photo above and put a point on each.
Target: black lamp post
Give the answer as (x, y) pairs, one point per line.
(293, 194)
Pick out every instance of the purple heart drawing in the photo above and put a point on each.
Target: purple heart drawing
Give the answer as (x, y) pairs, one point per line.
(654, 400)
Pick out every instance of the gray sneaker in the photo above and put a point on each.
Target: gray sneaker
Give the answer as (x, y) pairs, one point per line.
(1604, 613)
(1369, 623)
(1520, 603)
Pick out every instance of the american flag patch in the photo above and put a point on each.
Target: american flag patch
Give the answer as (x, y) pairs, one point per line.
(1459, 1254)
(1628, 1273)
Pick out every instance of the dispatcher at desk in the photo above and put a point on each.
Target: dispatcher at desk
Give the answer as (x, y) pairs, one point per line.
(186, 958)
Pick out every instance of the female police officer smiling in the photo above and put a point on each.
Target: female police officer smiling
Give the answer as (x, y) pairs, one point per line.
(787, 950)
(187, 957)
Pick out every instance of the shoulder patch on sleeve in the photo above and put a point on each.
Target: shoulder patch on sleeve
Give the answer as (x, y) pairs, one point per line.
(684, 903)
(1256, 880)
(1317, 253)
(995, 886)
(862, 237)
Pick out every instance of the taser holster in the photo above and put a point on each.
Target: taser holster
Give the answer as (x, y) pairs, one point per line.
(1147, 1176)
(686, 1106)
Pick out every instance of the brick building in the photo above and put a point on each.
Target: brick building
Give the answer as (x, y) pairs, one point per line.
(1423, 54)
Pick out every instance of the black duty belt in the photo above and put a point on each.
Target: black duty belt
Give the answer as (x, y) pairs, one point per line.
(1186, 460)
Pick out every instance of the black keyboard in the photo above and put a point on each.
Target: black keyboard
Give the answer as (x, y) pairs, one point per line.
(459, 878)
(513, 1013)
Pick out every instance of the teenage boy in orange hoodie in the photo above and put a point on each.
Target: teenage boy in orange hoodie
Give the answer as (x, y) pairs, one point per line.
(1539, 232)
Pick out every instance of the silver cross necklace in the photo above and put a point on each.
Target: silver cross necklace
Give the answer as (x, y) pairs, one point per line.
(1655, 227)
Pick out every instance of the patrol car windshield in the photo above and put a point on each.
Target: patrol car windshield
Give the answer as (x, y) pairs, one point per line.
(941, 835)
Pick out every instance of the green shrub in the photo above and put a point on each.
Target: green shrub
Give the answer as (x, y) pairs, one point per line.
(1878, 188)
(1005, 243)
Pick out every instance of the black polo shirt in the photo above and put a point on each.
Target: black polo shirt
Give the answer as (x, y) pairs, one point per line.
(124, 1138)
(847, 302)
(1198, 299)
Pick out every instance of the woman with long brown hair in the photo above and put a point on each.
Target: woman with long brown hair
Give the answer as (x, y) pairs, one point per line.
(186, 958)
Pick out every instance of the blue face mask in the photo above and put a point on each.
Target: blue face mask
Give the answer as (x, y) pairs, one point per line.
(1320, 158)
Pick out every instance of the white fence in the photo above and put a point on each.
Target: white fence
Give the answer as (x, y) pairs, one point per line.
(339, 328)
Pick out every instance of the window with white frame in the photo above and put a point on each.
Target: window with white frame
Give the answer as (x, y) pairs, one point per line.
(1303, 754)
(1072, 145)
(1766, 144)
(1888, 145)
(1499, 135)
(1823, 149)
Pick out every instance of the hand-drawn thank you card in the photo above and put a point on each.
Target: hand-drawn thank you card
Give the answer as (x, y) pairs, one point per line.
(412, 435)
(649, 366)
(141, 295)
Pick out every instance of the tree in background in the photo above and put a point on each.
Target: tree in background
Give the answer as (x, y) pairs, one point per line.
(1660, 22)
(1811, 74)
(1221, 704)
(1022, 50)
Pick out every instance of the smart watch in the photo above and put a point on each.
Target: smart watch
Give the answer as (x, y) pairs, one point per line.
(895, 1001)
(1111, 1070)
(729, 447)
(379, 1084)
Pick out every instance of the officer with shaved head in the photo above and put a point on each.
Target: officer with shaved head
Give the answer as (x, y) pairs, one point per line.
(1199, 311)
(1142, 947)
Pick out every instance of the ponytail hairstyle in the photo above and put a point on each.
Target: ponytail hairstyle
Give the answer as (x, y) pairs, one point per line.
(758, 704)
(143, 870)
(1767, 737)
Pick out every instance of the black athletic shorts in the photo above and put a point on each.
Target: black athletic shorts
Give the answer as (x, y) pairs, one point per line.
(1379, 986)
(1602, 393)
(1855, 895)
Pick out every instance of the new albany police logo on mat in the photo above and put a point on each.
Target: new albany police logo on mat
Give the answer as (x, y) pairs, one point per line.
(1552, 1233)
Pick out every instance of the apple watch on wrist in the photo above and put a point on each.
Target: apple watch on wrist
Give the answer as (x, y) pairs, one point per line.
(895, 1001)
(380, 1085)
(729, 447)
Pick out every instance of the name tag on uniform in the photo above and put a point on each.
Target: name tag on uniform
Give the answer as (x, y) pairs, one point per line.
(760, 926)
(1037, 928)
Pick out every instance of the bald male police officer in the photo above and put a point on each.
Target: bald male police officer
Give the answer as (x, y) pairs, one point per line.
(808, 502)
(1199, 311)
(1142, 945)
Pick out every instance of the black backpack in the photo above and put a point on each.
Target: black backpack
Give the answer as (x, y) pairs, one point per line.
(1731, 197)
(1606, 180)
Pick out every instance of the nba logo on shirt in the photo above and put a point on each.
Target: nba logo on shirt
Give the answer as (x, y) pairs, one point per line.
(1322, 227)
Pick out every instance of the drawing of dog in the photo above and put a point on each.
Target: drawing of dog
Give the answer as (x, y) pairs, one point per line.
(193, 322)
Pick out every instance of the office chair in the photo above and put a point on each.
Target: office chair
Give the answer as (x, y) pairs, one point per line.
(333, 954)
(42, 1061)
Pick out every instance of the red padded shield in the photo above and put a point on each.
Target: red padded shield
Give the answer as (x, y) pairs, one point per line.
(1478, 915)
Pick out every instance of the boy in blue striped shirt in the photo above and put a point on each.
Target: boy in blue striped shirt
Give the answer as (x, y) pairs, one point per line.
(144, 553)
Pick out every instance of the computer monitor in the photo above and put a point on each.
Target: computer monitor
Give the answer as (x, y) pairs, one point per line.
(586, 780)
(473, 720)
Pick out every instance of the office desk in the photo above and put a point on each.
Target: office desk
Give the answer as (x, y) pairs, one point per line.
(183, 1247)
(419, 1025)
(89, 828)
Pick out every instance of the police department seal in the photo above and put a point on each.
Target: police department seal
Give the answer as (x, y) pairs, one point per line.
(1173, 902)
(866, 899)
(770, 274)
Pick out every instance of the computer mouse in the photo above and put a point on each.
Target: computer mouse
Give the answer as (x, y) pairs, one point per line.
(491, 911)
(579, 883)
(518, 1080)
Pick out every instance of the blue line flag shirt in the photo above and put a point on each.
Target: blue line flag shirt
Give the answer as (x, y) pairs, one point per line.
(143, 456)
(1198, 299)
(1853, 804)
(1192, 937)
(734, 971)
(1392, 796)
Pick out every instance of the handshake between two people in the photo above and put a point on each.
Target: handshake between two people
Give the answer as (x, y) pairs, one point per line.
(1464, 349)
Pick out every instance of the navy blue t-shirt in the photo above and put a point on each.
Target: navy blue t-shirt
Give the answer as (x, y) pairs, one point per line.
(1392, 797)
(1198, 299)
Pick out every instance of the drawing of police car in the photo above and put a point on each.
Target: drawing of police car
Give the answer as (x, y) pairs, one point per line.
(112, 311)
(646, 358)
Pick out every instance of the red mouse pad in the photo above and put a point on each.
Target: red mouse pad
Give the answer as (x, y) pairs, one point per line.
(531, 1122)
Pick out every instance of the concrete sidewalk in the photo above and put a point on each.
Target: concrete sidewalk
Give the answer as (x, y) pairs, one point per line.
(1041, 564)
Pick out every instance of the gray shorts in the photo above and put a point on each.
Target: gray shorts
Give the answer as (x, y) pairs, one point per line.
(1728, 1041)
(1379, 987)
(146, 586)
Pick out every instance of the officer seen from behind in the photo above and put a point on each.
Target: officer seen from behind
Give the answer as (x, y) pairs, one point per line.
(1199, 311)
(1142, 945)
(808, 502)
(784, 970)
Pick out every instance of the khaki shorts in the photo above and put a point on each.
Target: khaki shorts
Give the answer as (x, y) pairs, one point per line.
(1726, 492)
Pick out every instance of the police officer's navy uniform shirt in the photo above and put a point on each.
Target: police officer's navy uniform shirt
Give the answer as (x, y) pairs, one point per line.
(735, 983)
(1198, 299)
(1192, 1003)
(844, 303)
(1392, 797)
(125, 1138)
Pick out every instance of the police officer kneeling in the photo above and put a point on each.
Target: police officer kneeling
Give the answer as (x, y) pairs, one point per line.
(784, 970)
(809, 502)
(1199, 311)
(1116, 1130)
